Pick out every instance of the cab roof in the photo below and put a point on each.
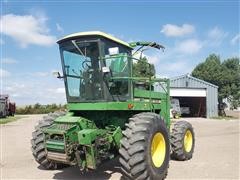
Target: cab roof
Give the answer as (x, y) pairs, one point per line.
(94, 33)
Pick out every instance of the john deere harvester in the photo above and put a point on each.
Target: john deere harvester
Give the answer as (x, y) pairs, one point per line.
(111, 113)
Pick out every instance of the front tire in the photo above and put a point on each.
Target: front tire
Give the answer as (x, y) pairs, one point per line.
(182, 141)
(145, 147)
(37, 141)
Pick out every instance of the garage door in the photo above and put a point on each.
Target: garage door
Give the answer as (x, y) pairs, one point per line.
(187, 92)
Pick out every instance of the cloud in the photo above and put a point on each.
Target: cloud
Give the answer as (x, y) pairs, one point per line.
(216, 36)
(4, 73)
(178, 66)
(216, 33)
(60, 90)
(9, 61)
(162, 75)
(27, 29)
(154, 59)
(235, 39)
(174, 67)
(172, 30)
(59, 28)
(153, 56)
(190, 46)
(42, 74)
(177, 59)
(26, 90)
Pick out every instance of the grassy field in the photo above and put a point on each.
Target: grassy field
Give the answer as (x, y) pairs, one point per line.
(9, 119)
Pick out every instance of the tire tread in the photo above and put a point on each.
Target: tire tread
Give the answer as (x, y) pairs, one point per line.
(37, 141)
(133, 146)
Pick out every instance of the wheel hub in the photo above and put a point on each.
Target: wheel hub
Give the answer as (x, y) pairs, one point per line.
(188, 141)
(158, 149)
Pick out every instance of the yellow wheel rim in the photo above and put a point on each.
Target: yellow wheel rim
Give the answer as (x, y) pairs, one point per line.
(188, 141)
(158, 149)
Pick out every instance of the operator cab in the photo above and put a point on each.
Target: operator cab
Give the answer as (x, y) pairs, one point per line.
(90, 61)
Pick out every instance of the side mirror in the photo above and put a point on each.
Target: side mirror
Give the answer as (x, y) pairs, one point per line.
(57, 75)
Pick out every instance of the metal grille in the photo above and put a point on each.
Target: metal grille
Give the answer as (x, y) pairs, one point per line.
(62, 127)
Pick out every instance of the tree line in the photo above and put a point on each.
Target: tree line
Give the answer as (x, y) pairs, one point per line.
(225, 73)
(40, 109)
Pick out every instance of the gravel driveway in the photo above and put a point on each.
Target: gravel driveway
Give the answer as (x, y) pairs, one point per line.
(216, 154)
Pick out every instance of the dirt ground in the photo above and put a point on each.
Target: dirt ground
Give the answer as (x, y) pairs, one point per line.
(216, 154)
(235, 113)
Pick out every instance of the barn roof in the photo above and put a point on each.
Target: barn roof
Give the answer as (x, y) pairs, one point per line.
(188, 76)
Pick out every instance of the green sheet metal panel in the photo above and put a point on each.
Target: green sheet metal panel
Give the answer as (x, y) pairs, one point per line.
(144, 106)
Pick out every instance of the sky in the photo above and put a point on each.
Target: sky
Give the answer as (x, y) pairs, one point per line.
(189, 30)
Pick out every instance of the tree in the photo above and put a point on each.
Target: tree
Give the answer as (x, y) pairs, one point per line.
(143, 69)
(231, 84)
(37, 106)
(40, 109)
(210, 70)
(226, 75)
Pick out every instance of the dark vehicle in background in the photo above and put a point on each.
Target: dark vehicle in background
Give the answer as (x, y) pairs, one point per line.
(7, 108)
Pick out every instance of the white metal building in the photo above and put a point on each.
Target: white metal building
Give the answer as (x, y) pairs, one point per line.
(199, 95)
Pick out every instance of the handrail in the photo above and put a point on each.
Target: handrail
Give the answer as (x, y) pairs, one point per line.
(142, 78)
(149, 80)
(117, 56)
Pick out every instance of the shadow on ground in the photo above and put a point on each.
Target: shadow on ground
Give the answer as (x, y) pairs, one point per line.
(103, 172)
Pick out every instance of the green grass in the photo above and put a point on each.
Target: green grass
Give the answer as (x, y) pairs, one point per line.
(9, 119)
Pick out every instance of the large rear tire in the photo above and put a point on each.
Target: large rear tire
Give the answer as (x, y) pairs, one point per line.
(182, 141)
(145, 148)
(37, 141)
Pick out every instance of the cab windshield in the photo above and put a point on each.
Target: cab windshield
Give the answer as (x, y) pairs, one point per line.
(81, 70)
(119, 66)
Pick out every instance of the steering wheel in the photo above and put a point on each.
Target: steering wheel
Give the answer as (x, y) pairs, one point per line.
(85, 65)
